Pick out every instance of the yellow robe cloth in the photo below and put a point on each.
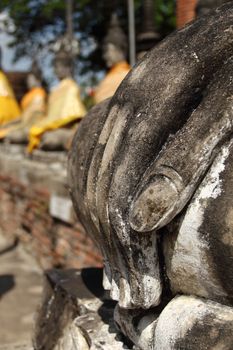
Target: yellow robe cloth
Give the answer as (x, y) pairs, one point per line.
(9, 108)
(33, 106)
(110, 83)
(64, 107)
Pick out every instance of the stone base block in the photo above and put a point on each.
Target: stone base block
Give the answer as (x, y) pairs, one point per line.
(76, 313)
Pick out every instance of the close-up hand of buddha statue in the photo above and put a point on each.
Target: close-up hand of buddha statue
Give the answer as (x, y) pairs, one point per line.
(150, 175)
(9, 108)
(33, 106)
(114, 54)
(64, 107)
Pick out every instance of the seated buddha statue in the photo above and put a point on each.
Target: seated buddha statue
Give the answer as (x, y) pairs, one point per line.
(65, 107)
(33, 106)
(9, 108)
(114, 54)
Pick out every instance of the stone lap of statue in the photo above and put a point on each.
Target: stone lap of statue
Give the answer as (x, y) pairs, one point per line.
(33, 109)
(115, 52)
(64, 104)
(9, 108)
(151, 178)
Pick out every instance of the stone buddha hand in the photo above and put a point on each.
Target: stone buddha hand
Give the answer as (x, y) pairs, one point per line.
(150, 175)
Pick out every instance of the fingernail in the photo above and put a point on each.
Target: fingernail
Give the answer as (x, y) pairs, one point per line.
(153, 207)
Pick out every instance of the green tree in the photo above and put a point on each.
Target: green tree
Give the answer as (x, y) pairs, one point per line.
(35, 24)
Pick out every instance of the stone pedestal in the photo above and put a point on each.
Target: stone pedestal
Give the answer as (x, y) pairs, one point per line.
(76, 313)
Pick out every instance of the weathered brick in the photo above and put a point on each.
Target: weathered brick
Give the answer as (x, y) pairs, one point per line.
(24, 212)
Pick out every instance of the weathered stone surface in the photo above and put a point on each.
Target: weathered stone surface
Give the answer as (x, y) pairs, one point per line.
(189, 323)
(159, 153)
(57, 308)
(91, 332)
(138, 325)
(186, 323)
(173, 177)
(75, 302)
(18, 136)
(16, 346)
(200, 260)
(100, 329)
(137, 160)
(72, 339)
(57, 140)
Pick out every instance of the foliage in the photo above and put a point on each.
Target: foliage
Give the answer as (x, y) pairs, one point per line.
(35, 24)
(165, 16)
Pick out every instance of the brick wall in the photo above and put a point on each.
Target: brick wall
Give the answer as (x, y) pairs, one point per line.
(185, 12)
(28, 210)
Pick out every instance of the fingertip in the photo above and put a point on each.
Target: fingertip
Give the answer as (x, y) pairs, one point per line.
(153, 207)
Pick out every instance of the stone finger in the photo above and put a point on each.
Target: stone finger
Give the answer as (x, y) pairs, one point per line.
(173, 177)
(160, 107)
(150, 106)
(80, 157)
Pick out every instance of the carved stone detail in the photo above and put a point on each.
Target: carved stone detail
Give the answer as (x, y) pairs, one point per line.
(150, 174)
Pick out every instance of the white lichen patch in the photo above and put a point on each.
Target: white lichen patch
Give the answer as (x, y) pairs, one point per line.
(195, 56)
(114, 293)
(178, 317)
(191, 271)
(153, 289)
(182, 315)
(138, 72)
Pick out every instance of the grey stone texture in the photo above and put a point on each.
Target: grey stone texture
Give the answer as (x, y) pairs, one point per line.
(150, 176)
(199, 251)
(75, 313)
(18, 136)
(189, 323)
(57, 140)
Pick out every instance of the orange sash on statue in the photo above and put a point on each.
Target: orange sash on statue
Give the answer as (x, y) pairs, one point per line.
(110, 83)
(64, 106)
(33, 109)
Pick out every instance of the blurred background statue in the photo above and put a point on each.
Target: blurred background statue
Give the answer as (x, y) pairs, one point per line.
(114, 53)
(33, 108)
(64, 104)
(148, 36)
(9, 108)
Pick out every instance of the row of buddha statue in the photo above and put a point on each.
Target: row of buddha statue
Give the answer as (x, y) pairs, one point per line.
(48, 122)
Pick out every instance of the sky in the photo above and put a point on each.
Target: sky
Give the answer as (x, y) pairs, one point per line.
(7, 56)
(8, 53)
(24, 64)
